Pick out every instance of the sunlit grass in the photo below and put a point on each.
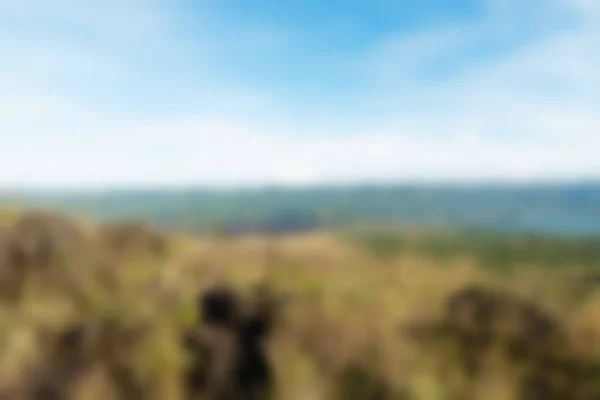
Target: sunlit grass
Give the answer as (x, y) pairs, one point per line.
(345, 304)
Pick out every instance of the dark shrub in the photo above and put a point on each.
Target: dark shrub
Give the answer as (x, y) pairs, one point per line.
(229, 360)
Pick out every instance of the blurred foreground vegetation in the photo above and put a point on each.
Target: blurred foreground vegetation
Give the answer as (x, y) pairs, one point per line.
(119, 311)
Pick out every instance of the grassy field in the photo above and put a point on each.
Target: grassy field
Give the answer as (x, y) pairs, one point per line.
(100, 312)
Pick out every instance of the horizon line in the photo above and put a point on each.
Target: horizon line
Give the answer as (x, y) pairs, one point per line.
(267, 186)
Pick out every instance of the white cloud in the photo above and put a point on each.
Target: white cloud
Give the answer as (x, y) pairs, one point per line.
(532, 113)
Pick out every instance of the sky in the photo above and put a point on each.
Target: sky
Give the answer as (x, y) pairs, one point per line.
(238, 92)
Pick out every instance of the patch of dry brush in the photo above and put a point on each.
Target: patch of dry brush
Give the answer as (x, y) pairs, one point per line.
(124, 312)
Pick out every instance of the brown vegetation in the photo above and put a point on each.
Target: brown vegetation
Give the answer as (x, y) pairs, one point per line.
(85, 315)
(128, 237)
(486, 328)
(33, 244)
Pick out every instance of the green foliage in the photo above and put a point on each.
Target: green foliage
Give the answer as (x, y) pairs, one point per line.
(488, 249)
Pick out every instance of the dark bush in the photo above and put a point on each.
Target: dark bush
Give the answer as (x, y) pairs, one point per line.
(227, 348)
(478, 319)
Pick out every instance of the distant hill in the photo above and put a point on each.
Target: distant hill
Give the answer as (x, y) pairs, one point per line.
(555, 209)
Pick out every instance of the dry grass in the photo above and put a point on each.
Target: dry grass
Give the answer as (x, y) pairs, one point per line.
(98, 325)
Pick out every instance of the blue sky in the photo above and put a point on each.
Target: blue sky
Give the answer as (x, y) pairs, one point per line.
(237, 92)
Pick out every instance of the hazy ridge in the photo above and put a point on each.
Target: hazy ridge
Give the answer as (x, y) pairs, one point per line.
(569, 209)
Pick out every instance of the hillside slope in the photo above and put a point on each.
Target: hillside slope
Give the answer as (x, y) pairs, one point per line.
(122, 311)
(558, 209)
